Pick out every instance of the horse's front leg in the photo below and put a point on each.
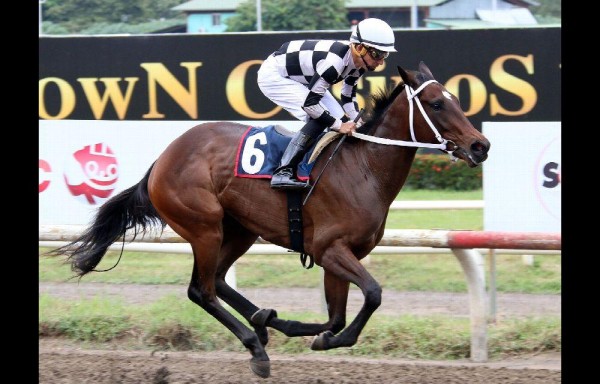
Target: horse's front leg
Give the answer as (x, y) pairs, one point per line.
(336, 296)
(342, 263)
(266, 317)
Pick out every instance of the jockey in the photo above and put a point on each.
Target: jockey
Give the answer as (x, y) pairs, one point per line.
(298, 76)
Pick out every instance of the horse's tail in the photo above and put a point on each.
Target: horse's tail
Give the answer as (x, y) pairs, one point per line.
(130, 209)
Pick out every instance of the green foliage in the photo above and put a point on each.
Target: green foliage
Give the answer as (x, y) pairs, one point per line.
(548, 10)
(439, 172)
(245, 18)
(118, 28)
(290, 15)
(79, 16)
(50, 28)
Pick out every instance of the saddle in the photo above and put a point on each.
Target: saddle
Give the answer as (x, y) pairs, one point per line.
(260, 151)
(261, 148)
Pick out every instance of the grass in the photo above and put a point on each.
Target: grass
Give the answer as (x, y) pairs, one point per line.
(420, 194)
(174, 323)
(464, 219)
(177, 323)
(441, 272)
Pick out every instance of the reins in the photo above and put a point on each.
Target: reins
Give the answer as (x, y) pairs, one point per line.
(411, 95)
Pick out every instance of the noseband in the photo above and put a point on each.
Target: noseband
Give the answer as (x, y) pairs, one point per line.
(411, 95)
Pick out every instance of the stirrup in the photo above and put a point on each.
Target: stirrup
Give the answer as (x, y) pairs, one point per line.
(289, 184)
(290, 187)
(284, 180)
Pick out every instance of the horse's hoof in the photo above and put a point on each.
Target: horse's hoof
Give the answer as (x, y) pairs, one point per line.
(261, 368)
(321, 342)
(261, 317)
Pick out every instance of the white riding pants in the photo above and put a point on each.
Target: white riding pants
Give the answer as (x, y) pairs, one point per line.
(290, 94)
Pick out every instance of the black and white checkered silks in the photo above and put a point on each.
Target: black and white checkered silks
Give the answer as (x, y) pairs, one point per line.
(299, 74)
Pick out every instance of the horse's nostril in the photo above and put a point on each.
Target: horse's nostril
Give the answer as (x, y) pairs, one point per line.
(479, 148)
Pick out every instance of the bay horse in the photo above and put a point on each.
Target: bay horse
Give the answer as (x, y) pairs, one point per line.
(192, 188)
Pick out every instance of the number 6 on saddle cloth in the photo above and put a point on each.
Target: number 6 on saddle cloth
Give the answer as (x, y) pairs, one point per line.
(260, 151)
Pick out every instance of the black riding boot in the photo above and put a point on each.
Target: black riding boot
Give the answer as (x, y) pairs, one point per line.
(284, 176)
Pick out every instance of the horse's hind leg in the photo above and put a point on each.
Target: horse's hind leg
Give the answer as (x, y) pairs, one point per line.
(206, 240)
(236, 241)
(202, 292)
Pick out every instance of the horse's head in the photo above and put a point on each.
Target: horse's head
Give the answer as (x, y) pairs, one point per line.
(447, 121)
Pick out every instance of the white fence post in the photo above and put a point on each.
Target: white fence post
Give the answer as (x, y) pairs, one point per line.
(472, 264)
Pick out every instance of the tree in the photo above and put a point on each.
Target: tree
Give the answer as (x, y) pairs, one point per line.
(77, 16)
(160, 9)
(549, 11)
(290, 15)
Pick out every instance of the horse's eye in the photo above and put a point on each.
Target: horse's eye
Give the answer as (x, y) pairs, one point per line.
(437, 105)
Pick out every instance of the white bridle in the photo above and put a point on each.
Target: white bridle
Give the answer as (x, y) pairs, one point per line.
(411, 95)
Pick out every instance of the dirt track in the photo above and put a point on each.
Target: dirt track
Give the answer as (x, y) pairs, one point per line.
(67, 362)
(61, 363)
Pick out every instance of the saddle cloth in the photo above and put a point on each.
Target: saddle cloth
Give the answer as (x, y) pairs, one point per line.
(260, 149)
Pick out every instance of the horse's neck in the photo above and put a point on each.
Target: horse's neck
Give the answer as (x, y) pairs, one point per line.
(390, 165)
(395, 122)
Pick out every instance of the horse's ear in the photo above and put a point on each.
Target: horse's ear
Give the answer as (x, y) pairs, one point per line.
(425, 70)
(403, 75)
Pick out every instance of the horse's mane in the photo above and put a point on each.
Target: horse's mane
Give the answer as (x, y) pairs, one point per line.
(380, 101)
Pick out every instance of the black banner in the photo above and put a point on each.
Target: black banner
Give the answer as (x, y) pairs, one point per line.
(498, 74)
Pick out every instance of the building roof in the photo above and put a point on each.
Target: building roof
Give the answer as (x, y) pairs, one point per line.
(488, 19)
(391, 3)
(208, 5)
(459, 23)
(514, 16)
(230, 5)
(472, 24)
(524, 3)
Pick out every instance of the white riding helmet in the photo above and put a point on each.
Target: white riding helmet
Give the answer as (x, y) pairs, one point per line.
(374, 33)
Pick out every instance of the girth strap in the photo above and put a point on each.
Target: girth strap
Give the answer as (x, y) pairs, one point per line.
(295, 227)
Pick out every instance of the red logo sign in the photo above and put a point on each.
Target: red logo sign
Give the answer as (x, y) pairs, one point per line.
(45, 172)
(92, 173)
